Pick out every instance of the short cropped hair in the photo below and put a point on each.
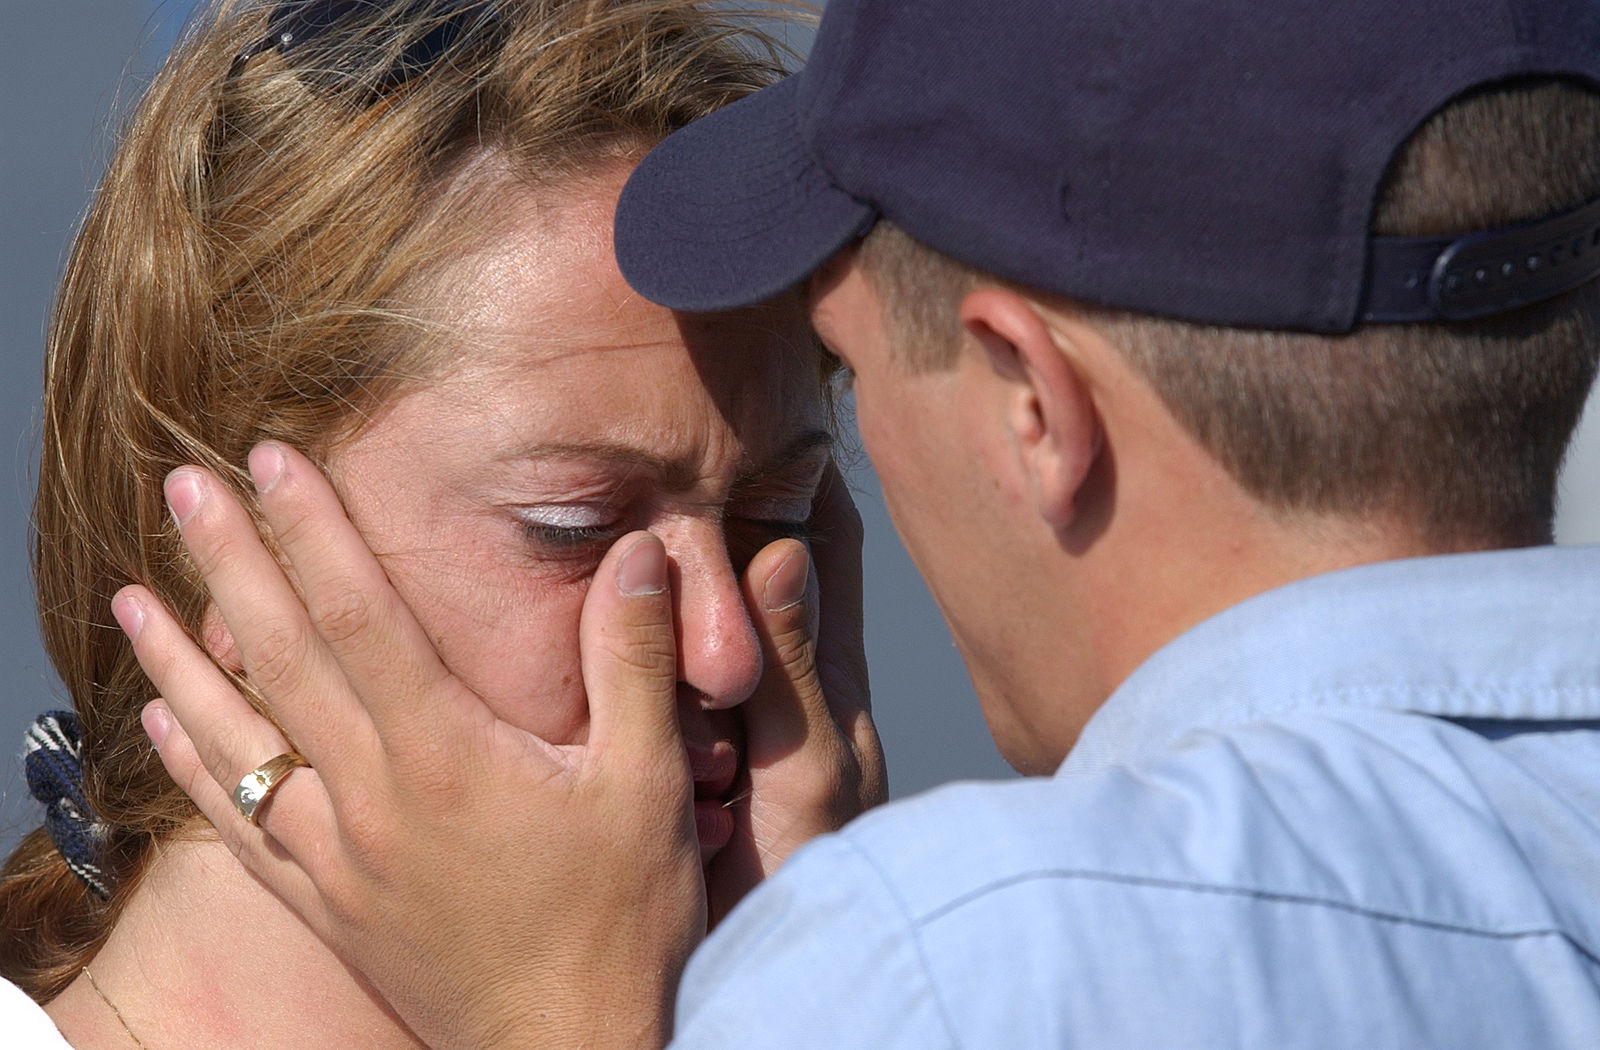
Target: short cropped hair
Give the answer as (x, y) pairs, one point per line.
(1458, 428)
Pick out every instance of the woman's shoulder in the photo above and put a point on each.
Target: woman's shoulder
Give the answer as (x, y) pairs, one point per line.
(26, 1025)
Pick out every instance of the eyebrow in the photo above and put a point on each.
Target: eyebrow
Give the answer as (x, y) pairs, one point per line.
(678, 473)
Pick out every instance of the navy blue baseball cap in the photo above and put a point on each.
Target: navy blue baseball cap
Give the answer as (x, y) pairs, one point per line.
(1209, 160)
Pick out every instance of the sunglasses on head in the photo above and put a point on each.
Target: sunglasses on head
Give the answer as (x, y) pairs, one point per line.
(329, 42)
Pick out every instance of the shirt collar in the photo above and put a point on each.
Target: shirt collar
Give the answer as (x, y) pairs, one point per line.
(1504, 634)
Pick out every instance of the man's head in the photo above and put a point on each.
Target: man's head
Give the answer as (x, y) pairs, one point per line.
(1128, 319)
(1458, 428)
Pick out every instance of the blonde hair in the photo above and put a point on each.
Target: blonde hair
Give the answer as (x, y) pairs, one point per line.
(252, 267)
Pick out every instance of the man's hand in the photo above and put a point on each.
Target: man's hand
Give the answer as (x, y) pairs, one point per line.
(496, 889)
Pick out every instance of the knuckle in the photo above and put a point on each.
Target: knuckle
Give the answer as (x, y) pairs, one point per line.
(344, 612)
(830, 798)
(433, 777)
(347, 907)
(159, 657)
(795, 649)
(641, 782)
(210, 545)
(277, 656)
(365, 822)
(193, 780)
(237, 845)
(866, 782)
(846, 678)
(853, 786)
(292, 524)
(223, 755)
(652, 655)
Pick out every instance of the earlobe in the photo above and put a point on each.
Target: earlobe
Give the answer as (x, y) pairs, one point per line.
(218, 640)
(1050, 413)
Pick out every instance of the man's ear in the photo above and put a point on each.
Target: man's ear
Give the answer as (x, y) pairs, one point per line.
(1051, 415)
(218, 640)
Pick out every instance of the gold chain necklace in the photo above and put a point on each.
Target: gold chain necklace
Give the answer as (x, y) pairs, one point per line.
(107, 1000)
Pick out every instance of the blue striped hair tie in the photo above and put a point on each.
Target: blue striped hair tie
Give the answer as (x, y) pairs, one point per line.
(53, 761)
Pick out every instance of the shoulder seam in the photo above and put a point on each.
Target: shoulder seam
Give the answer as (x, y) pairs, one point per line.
(1086, 875)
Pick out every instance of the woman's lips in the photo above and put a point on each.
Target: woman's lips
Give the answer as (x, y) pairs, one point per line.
(713, 825)
(714, 769)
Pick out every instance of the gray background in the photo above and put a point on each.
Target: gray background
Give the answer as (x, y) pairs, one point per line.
(65, 67)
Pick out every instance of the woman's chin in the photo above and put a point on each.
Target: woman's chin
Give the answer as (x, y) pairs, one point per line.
(713, 826)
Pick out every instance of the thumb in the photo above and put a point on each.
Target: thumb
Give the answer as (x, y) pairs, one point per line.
(629, 652)
(789, 707)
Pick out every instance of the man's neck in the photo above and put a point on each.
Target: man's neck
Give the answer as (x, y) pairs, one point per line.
(1165, 538)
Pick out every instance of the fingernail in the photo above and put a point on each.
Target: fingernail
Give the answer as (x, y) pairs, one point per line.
(157, 722)
(129, 614)
(643, 569)
(185, 493)
(786, 587)
(266, 467)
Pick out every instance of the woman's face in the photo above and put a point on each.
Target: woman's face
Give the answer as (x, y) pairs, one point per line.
(575, 413)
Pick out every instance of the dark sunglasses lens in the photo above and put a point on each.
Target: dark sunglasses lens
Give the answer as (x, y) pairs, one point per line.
(323, 38)
(293, 23)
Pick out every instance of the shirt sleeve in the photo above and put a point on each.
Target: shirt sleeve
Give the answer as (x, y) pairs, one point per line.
(26, 1025)
(822, 954)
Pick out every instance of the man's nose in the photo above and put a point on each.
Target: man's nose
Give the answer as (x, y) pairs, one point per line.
(719, 655)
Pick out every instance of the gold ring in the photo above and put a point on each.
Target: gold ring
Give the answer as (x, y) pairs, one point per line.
(258, 785)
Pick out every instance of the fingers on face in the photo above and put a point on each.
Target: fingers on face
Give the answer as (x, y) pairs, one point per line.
(841, 648)
(227, 736)
(781, 591)
(274, 639)
(384, 658)
(339, 660)
(837, 525)
(799, 703)
(629, 652)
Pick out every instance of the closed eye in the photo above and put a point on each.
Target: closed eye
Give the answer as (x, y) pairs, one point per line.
(746, 537)
(569, 527)
(565, 538)
(799, 530)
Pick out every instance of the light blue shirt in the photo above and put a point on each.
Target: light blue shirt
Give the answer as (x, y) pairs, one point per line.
(1362, 810)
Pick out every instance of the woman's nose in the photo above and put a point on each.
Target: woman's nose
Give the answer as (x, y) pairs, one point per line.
(719, 655)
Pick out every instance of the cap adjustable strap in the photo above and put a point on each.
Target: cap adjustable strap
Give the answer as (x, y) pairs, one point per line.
(1461, 277)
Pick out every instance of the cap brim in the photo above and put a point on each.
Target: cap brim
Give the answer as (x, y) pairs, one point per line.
(732, 209)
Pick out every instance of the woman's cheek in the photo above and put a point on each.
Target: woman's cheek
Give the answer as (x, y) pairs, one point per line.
(527, 668)
(507, 632)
